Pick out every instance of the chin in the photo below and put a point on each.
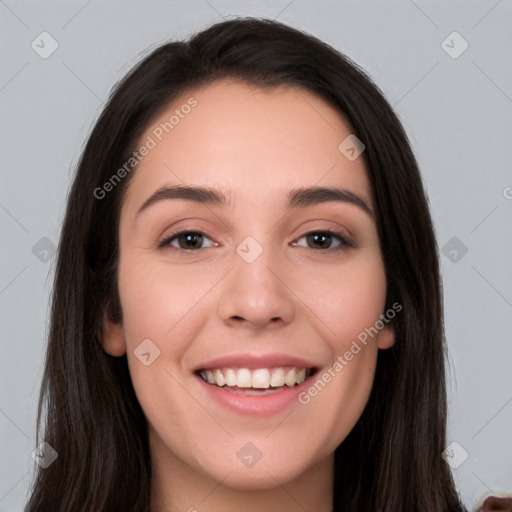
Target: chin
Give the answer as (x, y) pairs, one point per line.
(255, 479)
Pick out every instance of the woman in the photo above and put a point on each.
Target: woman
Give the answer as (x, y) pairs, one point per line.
(247, 310)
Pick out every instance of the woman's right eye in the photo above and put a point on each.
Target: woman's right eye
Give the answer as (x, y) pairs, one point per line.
(187, 240)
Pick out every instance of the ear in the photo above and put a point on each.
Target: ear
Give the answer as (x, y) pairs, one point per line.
(112, 337)
(386, 338)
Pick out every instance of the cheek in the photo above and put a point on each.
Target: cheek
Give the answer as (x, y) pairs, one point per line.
(348, 300)
(155, 300)
(161, 304)
(165, 305)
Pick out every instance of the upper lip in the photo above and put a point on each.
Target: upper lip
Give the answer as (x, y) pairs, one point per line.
(254, 361)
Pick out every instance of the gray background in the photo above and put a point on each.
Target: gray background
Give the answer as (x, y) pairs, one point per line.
(457, 112)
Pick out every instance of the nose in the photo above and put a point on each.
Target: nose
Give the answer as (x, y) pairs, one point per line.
(257, 294)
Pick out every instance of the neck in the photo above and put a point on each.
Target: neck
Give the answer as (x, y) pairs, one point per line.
(177, 487)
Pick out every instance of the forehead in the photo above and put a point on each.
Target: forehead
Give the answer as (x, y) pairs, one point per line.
(250, 142)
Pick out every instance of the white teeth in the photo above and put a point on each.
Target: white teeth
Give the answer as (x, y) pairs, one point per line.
(230, 376)
(277, 379)
(243, 379)
(289, 380)
(219, 378)
(261, 378)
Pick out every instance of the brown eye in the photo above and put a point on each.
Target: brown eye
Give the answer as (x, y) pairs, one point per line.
(323, 240)
(186, 240)
(319, 240)
(190, 240)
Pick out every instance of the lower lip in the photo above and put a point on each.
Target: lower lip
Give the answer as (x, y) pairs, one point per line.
(263, 405)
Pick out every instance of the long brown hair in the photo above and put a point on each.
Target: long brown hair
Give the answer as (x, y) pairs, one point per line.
(391, 460)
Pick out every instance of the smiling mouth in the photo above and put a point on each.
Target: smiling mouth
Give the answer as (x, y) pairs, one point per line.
(257, 380)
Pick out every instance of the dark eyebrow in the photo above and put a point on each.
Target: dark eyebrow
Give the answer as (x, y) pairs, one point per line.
(297, 198)
(205, 195)
(302, 197)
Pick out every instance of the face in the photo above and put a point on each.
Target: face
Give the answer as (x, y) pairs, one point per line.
(256, 294)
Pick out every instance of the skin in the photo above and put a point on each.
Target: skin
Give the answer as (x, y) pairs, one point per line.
(296, 297)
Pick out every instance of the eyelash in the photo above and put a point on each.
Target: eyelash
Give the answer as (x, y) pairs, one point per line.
(345, 243)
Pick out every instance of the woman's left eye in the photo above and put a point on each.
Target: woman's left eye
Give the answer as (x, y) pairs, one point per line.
(192, 240)
(323, 238)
